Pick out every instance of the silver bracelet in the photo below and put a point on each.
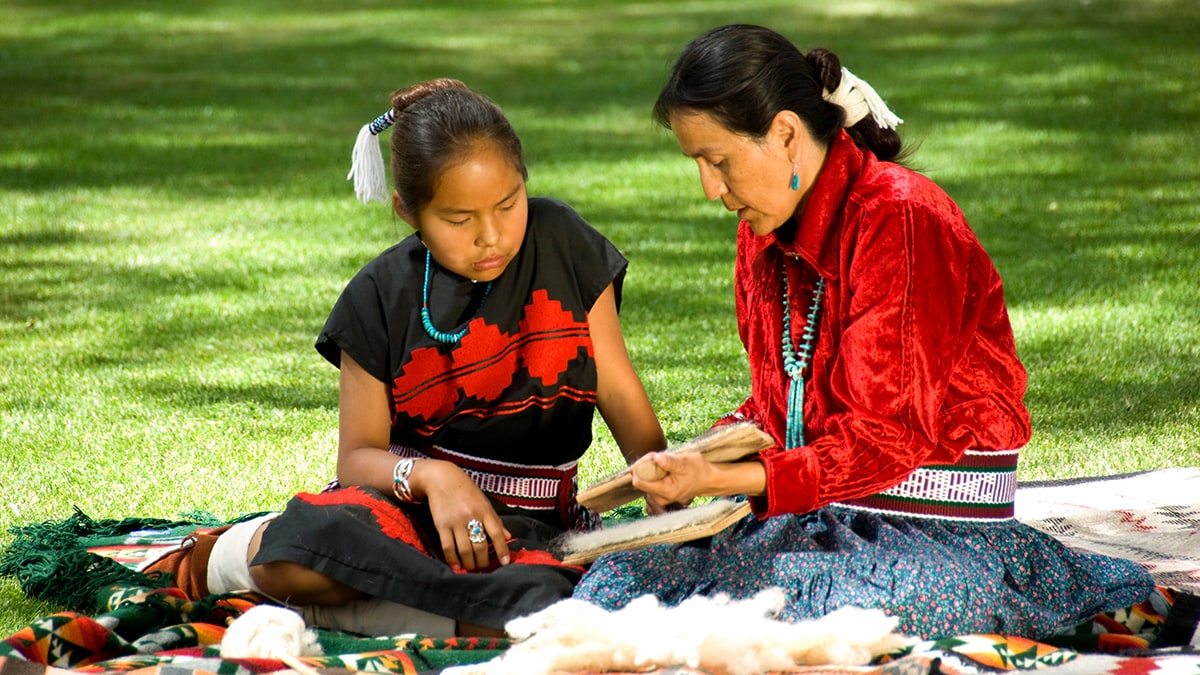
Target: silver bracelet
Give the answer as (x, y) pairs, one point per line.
(400, 486)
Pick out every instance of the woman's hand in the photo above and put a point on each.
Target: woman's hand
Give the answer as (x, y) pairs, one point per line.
(671, 478)
(655, 505)
(678, 478)
(454, 501)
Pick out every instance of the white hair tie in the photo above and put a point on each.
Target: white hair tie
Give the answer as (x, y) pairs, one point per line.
(366, 162)
(859, 99)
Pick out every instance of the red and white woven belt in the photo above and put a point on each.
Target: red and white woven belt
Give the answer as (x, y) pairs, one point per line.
(522, 485)
(981, 486)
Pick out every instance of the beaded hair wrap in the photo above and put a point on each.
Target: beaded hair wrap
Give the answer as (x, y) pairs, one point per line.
(859, 99)
(366, 162)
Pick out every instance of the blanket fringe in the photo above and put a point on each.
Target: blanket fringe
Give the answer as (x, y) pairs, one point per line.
(51, 562)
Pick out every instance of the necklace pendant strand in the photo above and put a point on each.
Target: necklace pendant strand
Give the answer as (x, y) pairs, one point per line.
(794, 367)
(427, 322)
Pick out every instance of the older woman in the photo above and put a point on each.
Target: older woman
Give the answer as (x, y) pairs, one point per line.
(882, 362)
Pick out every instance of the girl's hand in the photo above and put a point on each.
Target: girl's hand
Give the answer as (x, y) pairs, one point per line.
(454, 502)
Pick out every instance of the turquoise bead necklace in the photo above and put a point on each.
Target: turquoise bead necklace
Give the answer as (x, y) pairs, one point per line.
(793, 366)
(447, 338)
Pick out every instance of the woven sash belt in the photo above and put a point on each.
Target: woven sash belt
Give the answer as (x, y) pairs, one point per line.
(981, 486)
(526, 486)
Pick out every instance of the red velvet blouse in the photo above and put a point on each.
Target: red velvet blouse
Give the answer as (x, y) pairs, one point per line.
(915, 360)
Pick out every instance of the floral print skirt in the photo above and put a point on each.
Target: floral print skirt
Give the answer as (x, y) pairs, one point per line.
(939, 577)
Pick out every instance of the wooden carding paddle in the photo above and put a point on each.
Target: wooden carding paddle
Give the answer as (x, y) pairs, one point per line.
(722, 444)
(672, 527)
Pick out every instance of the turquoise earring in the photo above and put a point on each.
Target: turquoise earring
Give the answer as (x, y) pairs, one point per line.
(795, 185)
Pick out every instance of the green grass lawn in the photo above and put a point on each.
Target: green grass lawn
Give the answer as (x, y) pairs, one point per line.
(175, 222)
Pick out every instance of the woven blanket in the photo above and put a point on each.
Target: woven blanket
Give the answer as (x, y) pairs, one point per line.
(134, 626)
(158, 630)
(1152, 518)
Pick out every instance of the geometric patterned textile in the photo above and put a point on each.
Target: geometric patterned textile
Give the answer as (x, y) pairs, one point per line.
(1000, 652)
(529, 487)
(1129, 628)
(158, 632)
(1165, 540)
(981, 478)
(981, 485)
(970, 487)
(139, 621)
(1152, 518)
(139, 634)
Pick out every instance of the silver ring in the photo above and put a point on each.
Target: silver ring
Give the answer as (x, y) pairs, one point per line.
(475, 533)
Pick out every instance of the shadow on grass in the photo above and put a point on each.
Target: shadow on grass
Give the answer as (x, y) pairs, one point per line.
(232, 93)
(1086, 195)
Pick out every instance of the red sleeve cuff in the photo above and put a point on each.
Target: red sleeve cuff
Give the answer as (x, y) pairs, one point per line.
(791, 485)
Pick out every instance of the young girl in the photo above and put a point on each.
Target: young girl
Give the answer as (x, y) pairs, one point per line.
(472, 356)
(882, 362)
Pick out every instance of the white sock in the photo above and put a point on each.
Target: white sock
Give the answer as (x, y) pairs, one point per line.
(228, 568)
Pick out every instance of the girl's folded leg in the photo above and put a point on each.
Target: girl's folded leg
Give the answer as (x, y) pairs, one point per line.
(377, 617)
